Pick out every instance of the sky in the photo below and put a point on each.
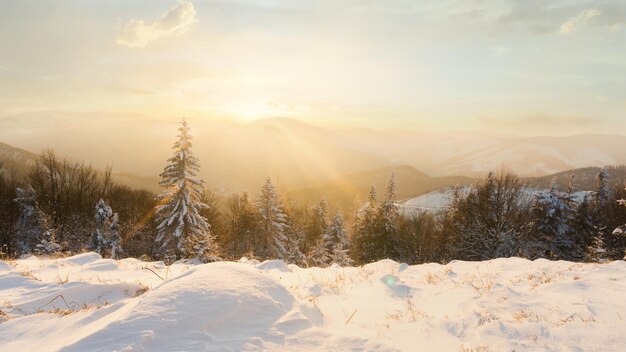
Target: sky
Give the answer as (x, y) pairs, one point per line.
(529, 67)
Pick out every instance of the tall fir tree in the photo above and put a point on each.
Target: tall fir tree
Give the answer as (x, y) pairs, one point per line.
(33, 233)
(336, 242)
(388, 221)
(365, 227)
(549, 235)
(602, 194)
(273, 223)
(103, 222)
(182, 231)
(317, 225)
(115, 240)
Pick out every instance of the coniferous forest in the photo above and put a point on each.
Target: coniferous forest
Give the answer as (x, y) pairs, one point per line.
(62, 207)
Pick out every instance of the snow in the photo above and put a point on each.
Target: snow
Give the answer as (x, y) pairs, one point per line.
(442, 198)
(86, 303)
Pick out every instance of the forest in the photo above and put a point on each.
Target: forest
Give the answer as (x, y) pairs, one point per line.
(62, 207)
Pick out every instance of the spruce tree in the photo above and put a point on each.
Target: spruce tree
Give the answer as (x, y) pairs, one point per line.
(550, 228)
(387, 222)
(181, 230)
(273, 223)
(295, 235)
(317, 225)
(365, 228)
(115, 241)
(32, 233)
(602, 194)
(336, 243)
(102, 216)
(319, 255)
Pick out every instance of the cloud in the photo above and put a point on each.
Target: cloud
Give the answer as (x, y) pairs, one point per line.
(578, 21)
(176, 21)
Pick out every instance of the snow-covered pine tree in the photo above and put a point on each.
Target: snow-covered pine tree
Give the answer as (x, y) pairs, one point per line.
(336, 242)
(621, 231)
(32, 233)
(550, 231)
(602, 193)
(114, 241)
(103, 222)
(365, 228)
(319, 255)
(596, 253)
(179, 223)
(294, 236)
(583, 228)
(273, 223)
(388, 221)
(371, 197)
(316, 225)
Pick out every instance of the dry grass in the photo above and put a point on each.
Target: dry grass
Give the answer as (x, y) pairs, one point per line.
(432, 278)
(528, 314)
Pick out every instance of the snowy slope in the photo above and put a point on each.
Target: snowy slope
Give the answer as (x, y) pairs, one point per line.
(85, 303)
(442, 198)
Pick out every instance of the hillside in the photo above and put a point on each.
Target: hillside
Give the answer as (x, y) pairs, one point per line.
(297, 154)
(343, 191)
(85, 303)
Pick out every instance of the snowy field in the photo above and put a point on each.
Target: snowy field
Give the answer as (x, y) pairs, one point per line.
(85, 303)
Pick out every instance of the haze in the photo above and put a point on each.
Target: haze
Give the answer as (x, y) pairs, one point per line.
(506, 67)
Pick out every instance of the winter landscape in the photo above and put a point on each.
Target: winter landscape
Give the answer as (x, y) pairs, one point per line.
(398, 175)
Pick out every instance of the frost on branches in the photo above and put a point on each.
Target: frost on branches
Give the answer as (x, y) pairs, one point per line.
(550, 235)
(336, 242)
(32, 231)
(274, 223)
(106, 238)
(181, 230)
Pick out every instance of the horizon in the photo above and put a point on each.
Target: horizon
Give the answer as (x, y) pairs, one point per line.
(500, 67)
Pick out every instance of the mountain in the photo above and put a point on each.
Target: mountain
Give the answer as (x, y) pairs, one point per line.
(343, 191)
(234, 156)
(15, 161)
(299, 156)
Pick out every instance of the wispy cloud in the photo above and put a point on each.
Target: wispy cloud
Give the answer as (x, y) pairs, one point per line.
(579, 21)
(176, 21)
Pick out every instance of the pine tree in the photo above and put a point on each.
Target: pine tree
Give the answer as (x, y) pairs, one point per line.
(180, 226)
(273, 223)
(33, 233)
(602, 194)
(115, 241)
(388, 220)
(550, 231)
(335, 241)
(317, 225)
(596, 252)
(103, 222)
(294, 234)
(319, 255)
(365, 227)
(583, 228)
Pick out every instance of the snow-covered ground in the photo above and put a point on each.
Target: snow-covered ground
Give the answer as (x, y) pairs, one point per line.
(85, 303)
(442, 198)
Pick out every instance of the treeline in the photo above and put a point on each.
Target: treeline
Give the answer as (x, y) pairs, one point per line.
(497, 217)
(65, 207)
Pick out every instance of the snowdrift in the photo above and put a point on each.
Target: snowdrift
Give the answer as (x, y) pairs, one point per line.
(86, 303)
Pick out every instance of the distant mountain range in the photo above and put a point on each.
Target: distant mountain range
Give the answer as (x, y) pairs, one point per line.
(305, 160)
